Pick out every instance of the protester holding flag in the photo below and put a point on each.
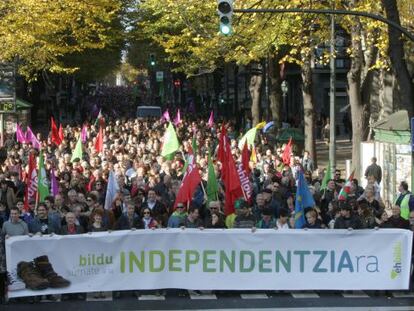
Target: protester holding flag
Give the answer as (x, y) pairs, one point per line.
(156, 169)
(304, 200)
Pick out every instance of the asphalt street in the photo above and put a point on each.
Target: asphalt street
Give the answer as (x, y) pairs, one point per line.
(231, 301)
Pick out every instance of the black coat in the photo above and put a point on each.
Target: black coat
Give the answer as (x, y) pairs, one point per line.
(353, 222)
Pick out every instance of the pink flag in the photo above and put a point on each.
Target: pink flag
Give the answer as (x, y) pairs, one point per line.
(210, 120)
(53, 183)
(84, 134)
(31, 138)
(177, 119)
(166, 116)
(20, 136)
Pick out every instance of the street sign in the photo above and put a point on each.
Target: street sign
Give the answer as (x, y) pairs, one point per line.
(159, 75)
(7, 88)
(412, 135)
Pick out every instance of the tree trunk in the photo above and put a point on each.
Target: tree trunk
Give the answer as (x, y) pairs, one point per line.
(275, 96)
(386, 93)
(255, 86)
(308, 107)
(359, 109)
(397, 57)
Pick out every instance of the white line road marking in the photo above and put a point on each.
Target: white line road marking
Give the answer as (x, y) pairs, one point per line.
(151, 297)
(254, 296)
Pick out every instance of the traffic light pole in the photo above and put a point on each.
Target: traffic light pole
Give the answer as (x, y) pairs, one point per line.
(380, 18)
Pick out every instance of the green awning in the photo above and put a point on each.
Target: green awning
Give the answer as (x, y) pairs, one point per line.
(286, 134)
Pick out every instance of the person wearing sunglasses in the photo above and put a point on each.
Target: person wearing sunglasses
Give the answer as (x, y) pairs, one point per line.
(148, 221)
(177, 217)
(214, 218)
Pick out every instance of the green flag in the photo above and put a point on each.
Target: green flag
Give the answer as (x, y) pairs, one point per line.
(170, 143)
(99, 117)
(212, 186)
(194, 145)
(77, 153)
(250, 136)
(326, 177)
(42, 183)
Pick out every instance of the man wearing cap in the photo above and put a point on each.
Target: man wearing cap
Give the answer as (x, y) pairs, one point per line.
(347, 220)
(244, 218)
(232, 217)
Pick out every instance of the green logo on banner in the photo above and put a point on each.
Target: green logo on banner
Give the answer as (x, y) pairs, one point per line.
(397, 268)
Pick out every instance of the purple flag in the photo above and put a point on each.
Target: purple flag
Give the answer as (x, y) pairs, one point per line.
(177, 119)
(191, 107)
(165, 116)
(84, 134)
(53, 183)
(210, 120)
(31, 138)
(20, 135)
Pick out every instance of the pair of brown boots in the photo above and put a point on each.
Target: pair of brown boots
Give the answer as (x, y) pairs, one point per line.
(39, 274)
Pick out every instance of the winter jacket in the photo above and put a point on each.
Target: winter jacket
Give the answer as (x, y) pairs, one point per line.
(353, 222)
(53, 225)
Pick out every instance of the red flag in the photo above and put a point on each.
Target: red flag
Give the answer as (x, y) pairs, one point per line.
(190, 181)
(99, 141)
(89, 186)
(31, 183)
(287, 152)
(60, 133)
(229, 173)
(55, 133)
(231, 182)
(246, 157)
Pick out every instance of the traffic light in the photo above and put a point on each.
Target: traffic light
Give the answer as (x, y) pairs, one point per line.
(225, 11)
(152, 60)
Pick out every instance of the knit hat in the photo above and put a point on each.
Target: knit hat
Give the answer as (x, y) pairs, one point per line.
(240, 204)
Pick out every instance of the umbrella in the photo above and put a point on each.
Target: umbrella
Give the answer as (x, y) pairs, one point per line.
(295, 133)
(268, 126)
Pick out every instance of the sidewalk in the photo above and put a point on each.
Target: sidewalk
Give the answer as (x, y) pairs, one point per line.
(343, 152)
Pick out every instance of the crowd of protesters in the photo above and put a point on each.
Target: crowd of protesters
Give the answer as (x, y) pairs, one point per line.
(149, 184)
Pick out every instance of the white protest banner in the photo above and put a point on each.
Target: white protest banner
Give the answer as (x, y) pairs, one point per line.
(236, 259)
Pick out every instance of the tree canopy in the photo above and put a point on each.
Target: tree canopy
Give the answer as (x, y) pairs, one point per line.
(38, 33)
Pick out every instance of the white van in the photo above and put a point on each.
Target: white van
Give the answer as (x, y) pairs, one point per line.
(149, 111)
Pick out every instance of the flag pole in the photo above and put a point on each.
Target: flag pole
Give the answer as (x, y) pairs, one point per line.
(244, 194)
(204, 190)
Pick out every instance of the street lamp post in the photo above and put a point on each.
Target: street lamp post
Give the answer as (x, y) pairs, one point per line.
(285, 89)
(332, 95)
